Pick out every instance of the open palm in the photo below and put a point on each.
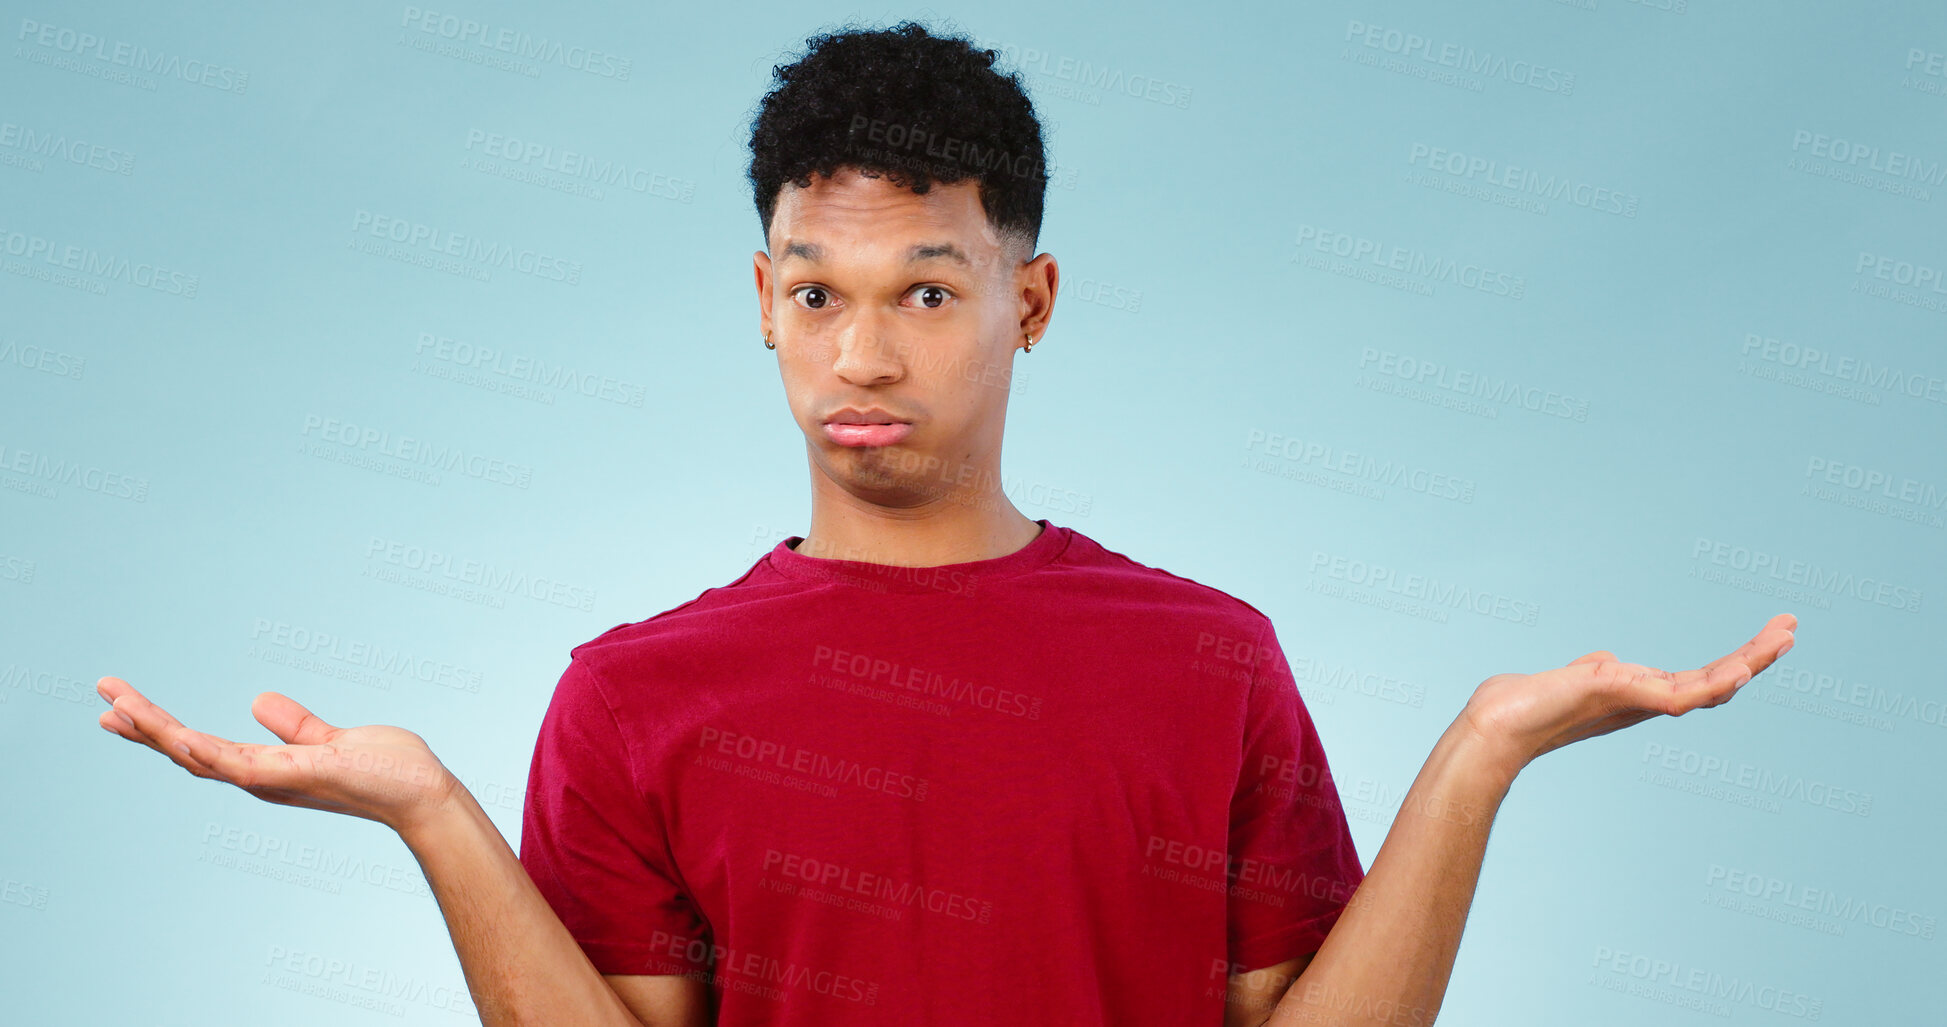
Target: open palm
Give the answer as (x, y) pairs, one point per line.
(1596, 693)
(381, 773)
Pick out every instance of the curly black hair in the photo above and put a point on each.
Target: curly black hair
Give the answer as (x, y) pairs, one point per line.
(908, 105)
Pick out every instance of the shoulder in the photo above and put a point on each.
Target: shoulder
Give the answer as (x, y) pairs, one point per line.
(1135, 583)
(680, 627)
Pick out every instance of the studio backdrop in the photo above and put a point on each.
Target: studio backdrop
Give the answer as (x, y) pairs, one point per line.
(377, 354)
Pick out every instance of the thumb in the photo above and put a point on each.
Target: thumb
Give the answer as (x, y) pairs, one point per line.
(289, 720)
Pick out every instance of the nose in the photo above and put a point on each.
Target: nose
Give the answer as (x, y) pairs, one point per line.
(866, 355)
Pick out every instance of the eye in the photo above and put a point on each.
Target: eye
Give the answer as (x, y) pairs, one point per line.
(813, 296)
(933, 295)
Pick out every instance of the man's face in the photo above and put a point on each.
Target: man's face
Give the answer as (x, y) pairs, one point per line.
(904, 308)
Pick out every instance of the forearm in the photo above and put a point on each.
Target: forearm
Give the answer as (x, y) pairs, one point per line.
(521, 964)
(1388, 958)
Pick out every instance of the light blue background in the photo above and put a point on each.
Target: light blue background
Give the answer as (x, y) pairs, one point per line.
(1186, 335)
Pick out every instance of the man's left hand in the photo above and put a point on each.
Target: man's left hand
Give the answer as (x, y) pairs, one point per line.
(1526, 715)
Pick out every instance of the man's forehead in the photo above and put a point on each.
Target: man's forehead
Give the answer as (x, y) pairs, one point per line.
(855, 211)
(942, 249)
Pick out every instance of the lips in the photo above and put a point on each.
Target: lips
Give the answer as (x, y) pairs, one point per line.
(867, 434)
(853, 415)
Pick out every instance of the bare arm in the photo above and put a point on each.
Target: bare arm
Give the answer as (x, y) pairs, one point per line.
(521, 964)
(1411, 907)
(1389, 957)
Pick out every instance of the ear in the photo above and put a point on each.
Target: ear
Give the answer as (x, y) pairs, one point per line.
(761, 264)
(1037, 281)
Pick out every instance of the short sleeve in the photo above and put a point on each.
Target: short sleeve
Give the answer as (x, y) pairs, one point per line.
(594, 844)
(1293, 866)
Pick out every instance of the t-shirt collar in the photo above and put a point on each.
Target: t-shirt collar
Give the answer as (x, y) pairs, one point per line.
(953, 578)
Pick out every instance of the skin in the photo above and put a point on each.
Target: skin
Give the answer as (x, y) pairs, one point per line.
(858, 322)
(885, 340)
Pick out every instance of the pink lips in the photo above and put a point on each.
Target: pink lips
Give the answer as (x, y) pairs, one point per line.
(866, 434)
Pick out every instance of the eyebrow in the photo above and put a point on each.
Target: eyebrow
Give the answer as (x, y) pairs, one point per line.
(918, 252)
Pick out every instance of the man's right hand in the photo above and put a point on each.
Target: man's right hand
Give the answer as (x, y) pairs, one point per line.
(381, 773)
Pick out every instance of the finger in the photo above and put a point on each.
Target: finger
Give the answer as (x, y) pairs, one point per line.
(154, 727)
(293, 775)
(1628, 687)
(248, 765)
(289, 720)
(1595, 657)
(1764, 648)
(111, 688)
(1674, 695)
(117, 722)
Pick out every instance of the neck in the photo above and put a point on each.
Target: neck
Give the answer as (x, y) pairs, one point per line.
(958, 528)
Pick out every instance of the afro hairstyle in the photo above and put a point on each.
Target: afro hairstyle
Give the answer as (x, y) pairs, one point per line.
(907, 105)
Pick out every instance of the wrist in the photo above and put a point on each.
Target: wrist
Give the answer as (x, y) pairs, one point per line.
(1489, 754)
(439, 813)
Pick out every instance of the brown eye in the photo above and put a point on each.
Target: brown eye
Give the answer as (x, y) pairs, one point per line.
(807, 295)
(932, 295)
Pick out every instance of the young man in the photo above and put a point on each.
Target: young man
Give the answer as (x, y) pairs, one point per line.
(936, 762)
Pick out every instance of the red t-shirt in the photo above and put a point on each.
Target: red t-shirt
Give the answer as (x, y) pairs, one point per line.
(1055, 787)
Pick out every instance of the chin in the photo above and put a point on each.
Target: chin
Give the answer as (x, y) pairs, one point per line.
(892, 476)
